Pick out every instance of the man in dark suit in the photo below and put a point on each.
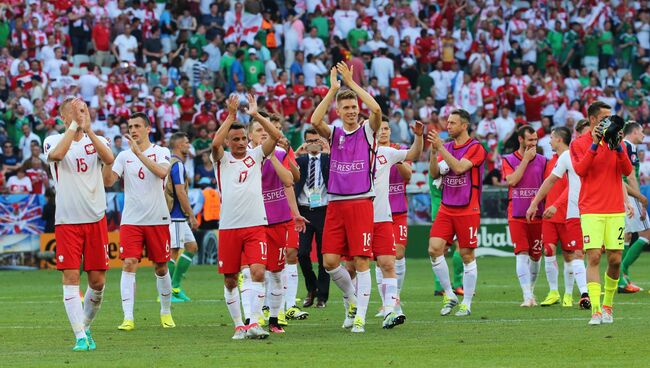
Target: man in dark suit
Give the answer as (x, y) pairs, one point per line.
(311, 194)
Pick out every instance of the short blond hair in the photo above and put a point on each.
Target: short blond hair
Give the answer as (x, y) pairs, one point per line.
(346, 94)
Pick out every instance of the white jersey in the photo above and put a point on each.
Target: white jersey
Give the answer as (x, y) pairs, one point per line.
(240, 184)
(144, 192)
(386, 158)
(80, 196)
(562, 166)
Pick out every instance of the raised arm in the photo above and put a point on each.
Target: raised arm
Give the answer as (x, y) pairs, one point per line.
(373, 106)
(514, 178)
(457, 166)
(103, 150)
(319, 114)
(109, 176)
(274, 133)
(283, 173)
(60, 150)
(416, 148)
(222, 132)
(160, 170)
(293, 205)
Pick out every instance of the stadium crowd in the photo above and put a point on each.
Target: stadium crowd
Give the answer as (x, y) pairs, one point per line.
(508, 63)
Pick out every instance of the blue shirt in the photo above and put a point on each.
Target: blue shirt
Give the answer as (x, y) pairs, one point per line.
(236, 68)
(178, 177)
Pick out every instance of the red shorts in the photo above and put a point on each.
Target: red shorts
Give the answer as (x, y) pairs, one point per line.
(383, 241)
(400, 228)
(465, 228)
(526, 237)
(574, 231)
(134, 238)
(292, 235)
(75, 241)
(571, 239)
(276, 240)
(248, 243)
(348, 228)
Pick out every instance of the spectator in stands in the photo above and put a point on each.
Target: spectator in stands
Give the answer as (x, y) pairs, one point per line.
(19, 183)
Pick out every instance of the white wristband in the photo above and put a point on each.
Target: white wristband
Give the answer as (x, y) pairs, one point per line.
(74, 126)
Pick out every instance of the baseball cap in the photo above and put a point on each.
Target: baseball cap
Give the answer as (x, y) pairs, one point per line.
(252, 51)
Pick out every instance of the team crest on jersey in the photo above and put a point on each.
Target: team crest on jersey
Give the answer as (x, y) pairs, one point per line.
(152, 157)
(585, 239)
(382, 159)
(249, 162)
(90, 149)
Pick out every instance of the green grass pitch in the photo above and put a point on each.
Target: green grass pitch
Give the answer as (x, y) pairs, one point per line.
(36, 332)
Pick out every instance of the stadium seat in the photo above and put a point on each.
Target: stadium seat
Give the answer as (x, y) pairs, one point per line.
(106, 70)
(80, 60)
(621, 72)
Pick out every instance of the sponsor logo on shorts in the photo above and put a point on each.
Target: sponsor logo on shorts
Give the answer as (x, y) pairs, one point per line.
(121, 250)
(585, 239)
(60, 258)
(572, 243)
(220, 263)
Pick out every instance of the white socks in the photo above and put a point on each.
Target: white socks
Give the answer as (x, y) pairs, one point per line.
(74, 310)
(470, 275)
(258, 294)
(291, 285)
(441, 270)
(400, 270)
(92, 303)
(534, 271)
(275, 292)
(341, 278)
(568, 278)
(389, 286)
(550, 265)
(164, 285)
(364, 285)
(233, 304)
(523, 273)
(127, 290)
(580, 273)
(379, 277)
(246, 292)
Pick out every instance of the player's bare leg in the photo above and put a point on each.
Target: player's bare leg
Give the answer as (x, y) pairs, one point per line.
(441, 270)
(341, 277)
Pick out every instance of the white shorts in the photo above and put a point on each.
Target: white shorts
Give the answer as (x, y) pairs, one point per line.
(181, 234)
(635, 224)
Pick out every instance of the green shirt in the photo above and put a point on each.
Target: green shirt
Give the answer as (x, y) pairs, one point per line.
(591, 44)
(436, 197)
(225, 64)
(251, 70)
(628, 51)
(294, 136)
(355, 35)
(555, 39)
(425, 82)
(197, 41)
(541, 55)
(584, 81)
(570, 39)
(322, 27)
(201, 144)
(607, 39)
(4, 33)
